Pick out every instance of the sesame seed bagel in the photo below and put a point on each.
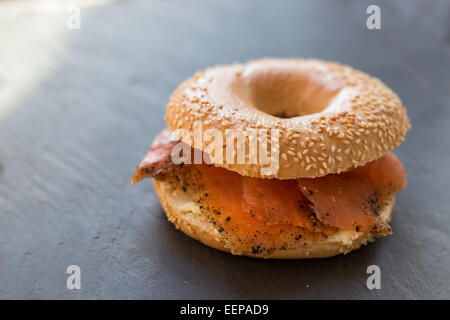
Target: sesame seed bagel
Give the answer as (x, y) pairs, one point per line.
(329, 117)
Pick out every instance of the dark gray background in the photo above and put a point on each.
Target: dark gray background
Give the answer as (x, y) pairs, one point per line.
(71, 138)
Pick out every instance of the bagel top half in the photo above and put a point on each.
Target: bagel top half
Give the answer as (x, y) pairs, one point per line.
(329, 117)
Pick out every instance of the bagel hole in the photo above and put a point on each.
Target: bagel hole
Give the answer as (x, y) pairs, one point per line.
(284, 93)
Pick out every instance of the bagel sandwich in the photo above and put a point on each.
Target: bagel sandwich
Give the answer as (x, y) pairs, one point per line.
(280, 158)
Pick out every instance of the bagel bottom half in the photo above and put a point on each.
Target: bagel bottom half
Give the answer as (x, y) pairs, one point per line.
(185, 214)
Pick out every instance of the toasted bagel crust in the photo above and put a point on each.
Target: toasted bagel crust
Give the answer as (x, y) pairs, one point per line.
(330, 117)
(186, 216)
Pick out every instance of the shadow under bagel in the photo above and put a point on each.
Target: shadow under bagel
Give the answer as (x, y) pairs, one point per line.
(243, 277)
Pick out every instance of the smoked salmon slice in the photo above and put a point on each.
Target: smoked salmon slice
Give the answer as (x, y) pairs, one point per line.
(266, 214)
(155, 161)
(158, 156)
(353, 200)
(248, 212)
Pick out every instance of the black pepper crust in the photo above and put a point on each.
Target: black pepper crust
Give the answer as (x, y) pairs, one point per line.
(187, 178)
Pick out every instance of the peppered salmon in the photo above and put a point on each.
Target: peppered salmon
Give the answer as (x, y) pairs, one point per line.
(254, 212)
(353, 200)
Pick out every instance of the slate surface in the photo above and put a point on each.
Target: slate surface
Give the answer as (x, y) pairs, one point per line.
(80, 109)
